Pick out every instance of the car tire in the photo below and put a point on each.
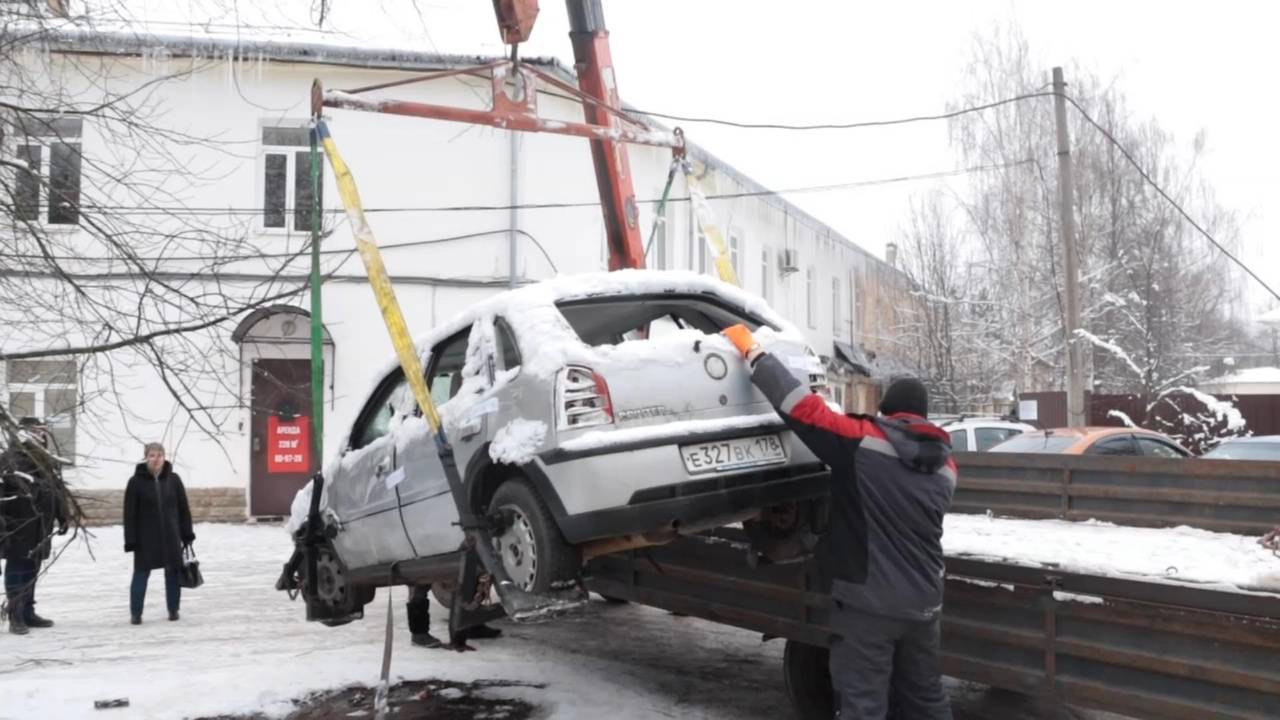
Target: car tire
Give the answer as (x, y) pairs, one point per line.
(531, 547)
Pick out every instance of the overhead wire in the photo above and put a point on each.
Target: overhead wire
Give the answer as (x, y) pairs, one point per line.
(1168, 198)
(238, 211)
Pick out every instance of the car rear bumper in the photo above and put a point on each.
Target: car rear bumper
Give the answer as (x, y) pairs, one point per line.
(645, 487)
(689, 505)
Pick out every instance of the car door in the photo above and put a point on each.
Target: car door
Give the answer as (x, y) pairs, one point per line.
(462, 361)
(1114, 445)
(359, 492)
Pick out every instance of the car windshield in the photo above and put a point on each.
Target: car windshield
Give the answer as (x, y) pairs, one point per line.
(612, 320)
(1037, 443)
(1245, 451)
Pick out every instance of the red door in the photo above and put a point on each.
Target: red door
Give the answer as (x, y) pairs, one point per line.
(282, 449)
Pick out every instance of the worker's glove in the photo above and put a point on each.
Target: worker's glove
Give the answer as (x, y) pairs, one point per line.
(62, 528)
(741, 338)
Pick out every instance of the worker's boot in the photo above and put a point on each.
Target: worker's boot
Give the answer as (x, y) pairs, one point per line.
(426, 640)
(35, 621)
(17, 623)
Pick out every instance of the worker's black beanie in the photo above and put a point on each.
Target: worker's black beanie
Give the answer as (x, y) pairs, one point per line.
(906, 395)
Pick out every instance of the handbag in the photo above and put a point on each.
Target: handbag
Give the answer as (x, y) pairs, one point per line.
(191, 576)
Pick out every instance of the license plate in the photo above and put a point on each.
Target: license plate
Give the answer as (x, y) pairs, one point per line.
(734, 454)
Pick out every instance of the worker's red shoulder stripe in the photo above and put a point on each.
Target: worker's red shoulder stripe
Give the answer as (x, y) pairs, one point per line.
(812, 410)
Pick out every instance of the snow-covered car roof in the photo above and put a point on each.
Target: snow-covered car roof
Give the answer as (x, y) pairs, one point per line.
(547, 341)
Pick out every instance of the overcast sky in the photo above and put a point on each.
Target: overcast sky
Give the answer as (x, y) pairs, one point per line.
(1190, 66)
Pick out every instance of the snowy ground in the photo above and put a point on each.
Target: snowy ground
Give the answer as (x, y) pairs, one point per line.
(242, 647)
(1180, 555)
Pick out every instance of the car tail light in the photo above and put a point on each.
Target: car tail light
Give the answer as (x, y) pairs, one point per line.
(582, 398)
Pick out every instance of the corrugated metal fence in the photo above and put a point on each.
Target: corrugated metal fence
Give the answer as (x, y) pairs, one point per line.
(1221, 495)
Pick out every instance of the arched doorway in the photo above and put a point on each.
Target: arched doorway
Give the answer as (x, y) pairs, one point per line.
(275, 365)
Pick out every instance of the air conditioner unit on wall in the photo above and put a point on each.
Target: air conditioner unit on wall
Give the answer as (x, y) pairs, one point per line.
(788, 261)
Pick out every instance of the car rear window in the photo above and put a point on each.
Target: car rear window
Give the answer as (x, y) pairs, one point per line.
(1036, 444)
(1245, 451)
(612, 320)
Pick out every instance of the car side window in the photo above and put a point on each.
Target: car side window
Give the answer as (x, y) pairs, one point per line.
(444, 378)
(1155, 448)
(375, 419)
(508, 350)
(987, 438)
(1122, 445)
(960, 440)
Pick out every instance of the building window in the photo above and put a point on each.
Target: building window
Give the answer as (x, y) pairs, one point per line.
(46, 389)
(765, 276)
(50, 148)
(810, 298)
(835, 305)
(287, 195)
(734, 245)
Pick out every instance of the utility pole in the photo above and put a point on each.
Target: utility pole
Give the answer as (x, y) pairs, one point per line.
(1071, 266)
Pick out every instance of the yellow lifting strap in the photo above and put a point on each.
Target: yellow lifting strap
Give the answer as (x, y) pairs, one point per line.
(379, 280)
(706, 220)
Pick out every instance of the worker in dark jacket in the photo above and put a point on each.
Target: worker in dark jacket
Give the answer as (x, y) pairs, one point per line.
(892, 479)
(157, 529)
(30, 506)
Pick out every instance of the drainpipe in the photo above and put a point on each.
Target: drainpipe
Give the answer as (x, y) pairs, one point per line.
(515, 212)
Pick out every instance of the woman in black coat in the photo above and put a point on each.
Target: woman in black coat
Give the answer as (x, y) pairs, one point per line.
(157, 527)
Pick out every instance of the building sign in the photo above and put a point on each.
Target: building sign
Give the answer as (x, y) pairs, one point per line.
(288, 444)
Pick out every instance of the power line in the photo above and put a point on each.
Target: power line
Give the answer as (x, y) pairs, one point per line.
(239, 211)
(820, 126)
(1156, 186)
(296, 254)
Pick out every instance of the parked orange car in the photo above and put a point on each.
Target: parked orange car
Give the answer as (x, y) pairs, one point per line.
(1095, 441)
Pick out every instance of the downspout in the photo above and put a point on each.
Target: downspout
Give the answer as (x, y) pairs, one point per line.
(515, 211)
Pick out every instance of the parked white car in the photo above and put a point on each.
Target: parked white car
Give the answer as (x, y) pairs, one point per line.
(588, 413)
(981, 434)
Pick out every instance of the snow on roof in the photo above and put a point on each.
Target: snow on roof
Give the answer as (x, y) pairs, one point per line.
(1250, 375)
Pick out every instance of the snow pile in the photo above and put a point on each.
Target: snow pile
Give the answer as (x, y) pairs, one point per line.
(1180, 555)
(1223, 410)
(1122, 417)
(518, 441)
(1248, 375)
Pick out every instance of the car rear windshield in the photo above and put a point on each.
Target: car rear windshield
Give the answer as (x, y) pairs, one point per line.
(1036, 444)
(1245, 451)
(612, 320)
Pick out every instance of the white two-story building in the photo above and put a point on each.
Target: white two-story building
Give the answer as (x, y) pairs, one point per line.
(462, 212)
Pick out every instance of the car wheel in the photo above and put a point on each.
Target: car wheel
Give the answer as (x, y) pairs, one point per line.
(532, 549)
(443, 593)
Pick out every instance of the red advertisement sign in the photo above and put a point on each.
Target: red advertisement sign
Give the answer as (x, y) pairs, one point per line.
(288, 445)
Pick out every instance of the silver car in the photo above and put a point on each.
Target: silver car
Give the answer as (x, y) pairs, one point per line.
(593, 413)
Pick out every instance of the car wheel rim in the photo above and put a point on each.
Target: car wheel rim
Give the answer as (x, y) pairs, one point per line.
(518, 549)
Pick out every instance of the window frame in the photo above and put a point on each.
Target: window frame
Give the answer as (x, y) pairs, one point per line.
(382, 393)
(1178, 452)
(959, 431)
(835, 306)
(1128, 438)
(39, 408)
(502, 332)
(463, 334)
(291, 153)
(47, 136)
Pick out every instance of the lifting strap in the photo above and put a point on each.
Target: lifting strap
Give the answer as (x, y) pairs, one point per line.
(706, 220)
(519, 605)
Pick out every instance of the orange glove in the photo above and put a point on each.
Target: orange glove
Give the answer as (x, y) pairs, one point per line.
(741, 338)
